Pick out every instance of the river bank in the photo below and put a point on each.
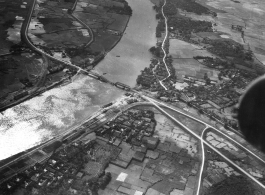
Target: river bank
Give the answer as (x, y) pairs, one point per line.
(58, 110)
(133, 47)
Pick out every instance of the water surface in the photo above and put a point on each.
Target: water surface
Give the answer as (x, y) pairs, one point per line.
(133, 47)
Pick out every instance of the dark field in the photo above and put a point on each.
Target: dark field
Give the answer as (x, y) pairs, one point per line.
(16, 70)
(104, 40)
(120, 22)
(69, 37)
(11, 13)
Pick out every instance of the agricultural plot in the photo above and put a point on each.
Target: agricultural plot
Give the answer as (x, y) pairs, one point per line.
(182, 49)
(105, 41)
(57, 24)
(246, 14)
(19, 72)
(12, 14)
(57, 31)
(192, 67)
(107, 3)
(210, 35)
(65, 38)
(94, 21)
(120, 22)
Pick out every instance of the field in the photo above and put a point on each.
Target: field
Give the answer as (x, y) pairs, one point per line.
(210, 35)
(192, 67)
(12, 14)
(105, 40)
(94, 21)
(68, 34)
(17, 71)
(120, 22)
(64, 38)
(246, 14)
(57, 24)
(182, 49)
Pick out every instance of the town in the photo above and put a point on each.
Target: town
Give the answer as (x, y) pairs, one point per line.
(90, 163)
(210, 78)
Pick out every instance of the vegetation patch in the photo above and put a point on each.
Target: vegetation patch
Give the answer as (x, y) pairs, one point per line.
(234, 185)
(119, 23)
(105, 40)
(63, 38)
(190, 6)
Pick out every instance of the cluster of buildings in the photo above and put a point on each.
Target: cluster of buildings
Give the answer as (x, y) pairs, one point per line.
(132, 126)
(241, 158)
(147, 165)
(61, 173)
(150, 76)
(212, 97)
(48, 176)
(124, 155)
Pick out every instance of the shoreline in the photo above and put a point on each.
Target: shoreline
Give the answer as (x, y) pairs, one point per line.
(24, 35)
(124, 29)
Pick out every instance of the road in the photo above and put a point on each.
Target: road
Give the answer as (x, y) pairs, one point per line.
(203, 142)
(24, 36)
(163, 45)
(84, 24)
(202, 164)
(209, 126)
(109, 116)
(42, 75)
(158, 104)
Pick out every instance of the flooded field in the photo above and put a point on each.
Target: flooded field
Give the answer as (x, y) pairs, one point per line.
(58, 110)
(54, 112)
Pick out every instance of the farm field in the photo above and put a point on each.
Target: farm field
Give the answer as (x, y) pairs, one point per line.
(65, 38)
(246, 14)
(104, 41)
(119, 23)
(19, 72)
(12, 14)
(182, 49)
(81, 35)
(192, 67)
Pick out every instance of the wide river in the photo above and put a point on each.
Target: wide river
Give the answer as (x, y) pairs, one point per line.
(60, 109)
(133, 47)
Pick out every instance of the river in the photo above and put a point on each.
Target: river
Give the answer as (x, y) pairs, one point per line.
(59, 109)
(133, 47)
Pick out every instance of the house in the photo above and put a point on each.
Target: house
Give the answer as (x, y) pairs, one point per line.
(79, 175)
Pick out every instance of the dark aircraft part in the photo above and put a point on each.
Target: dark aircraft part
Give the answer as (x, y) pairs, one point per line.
(251, 114)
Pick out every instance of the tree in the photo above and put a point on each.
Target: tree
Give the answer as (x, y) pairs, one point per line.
(104, 181)
(152, 49)
(205, 76)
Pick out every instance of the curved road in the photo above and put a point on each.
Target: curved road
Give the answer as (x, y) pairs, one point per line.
(163, 44)
(24, 35)
(155, 103)
(80, 21)
(209, 145)
(209, 126)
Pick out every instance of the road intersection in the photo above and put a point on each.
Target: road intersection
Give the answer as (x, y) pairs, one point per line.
(203, 142)
(158, 105)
